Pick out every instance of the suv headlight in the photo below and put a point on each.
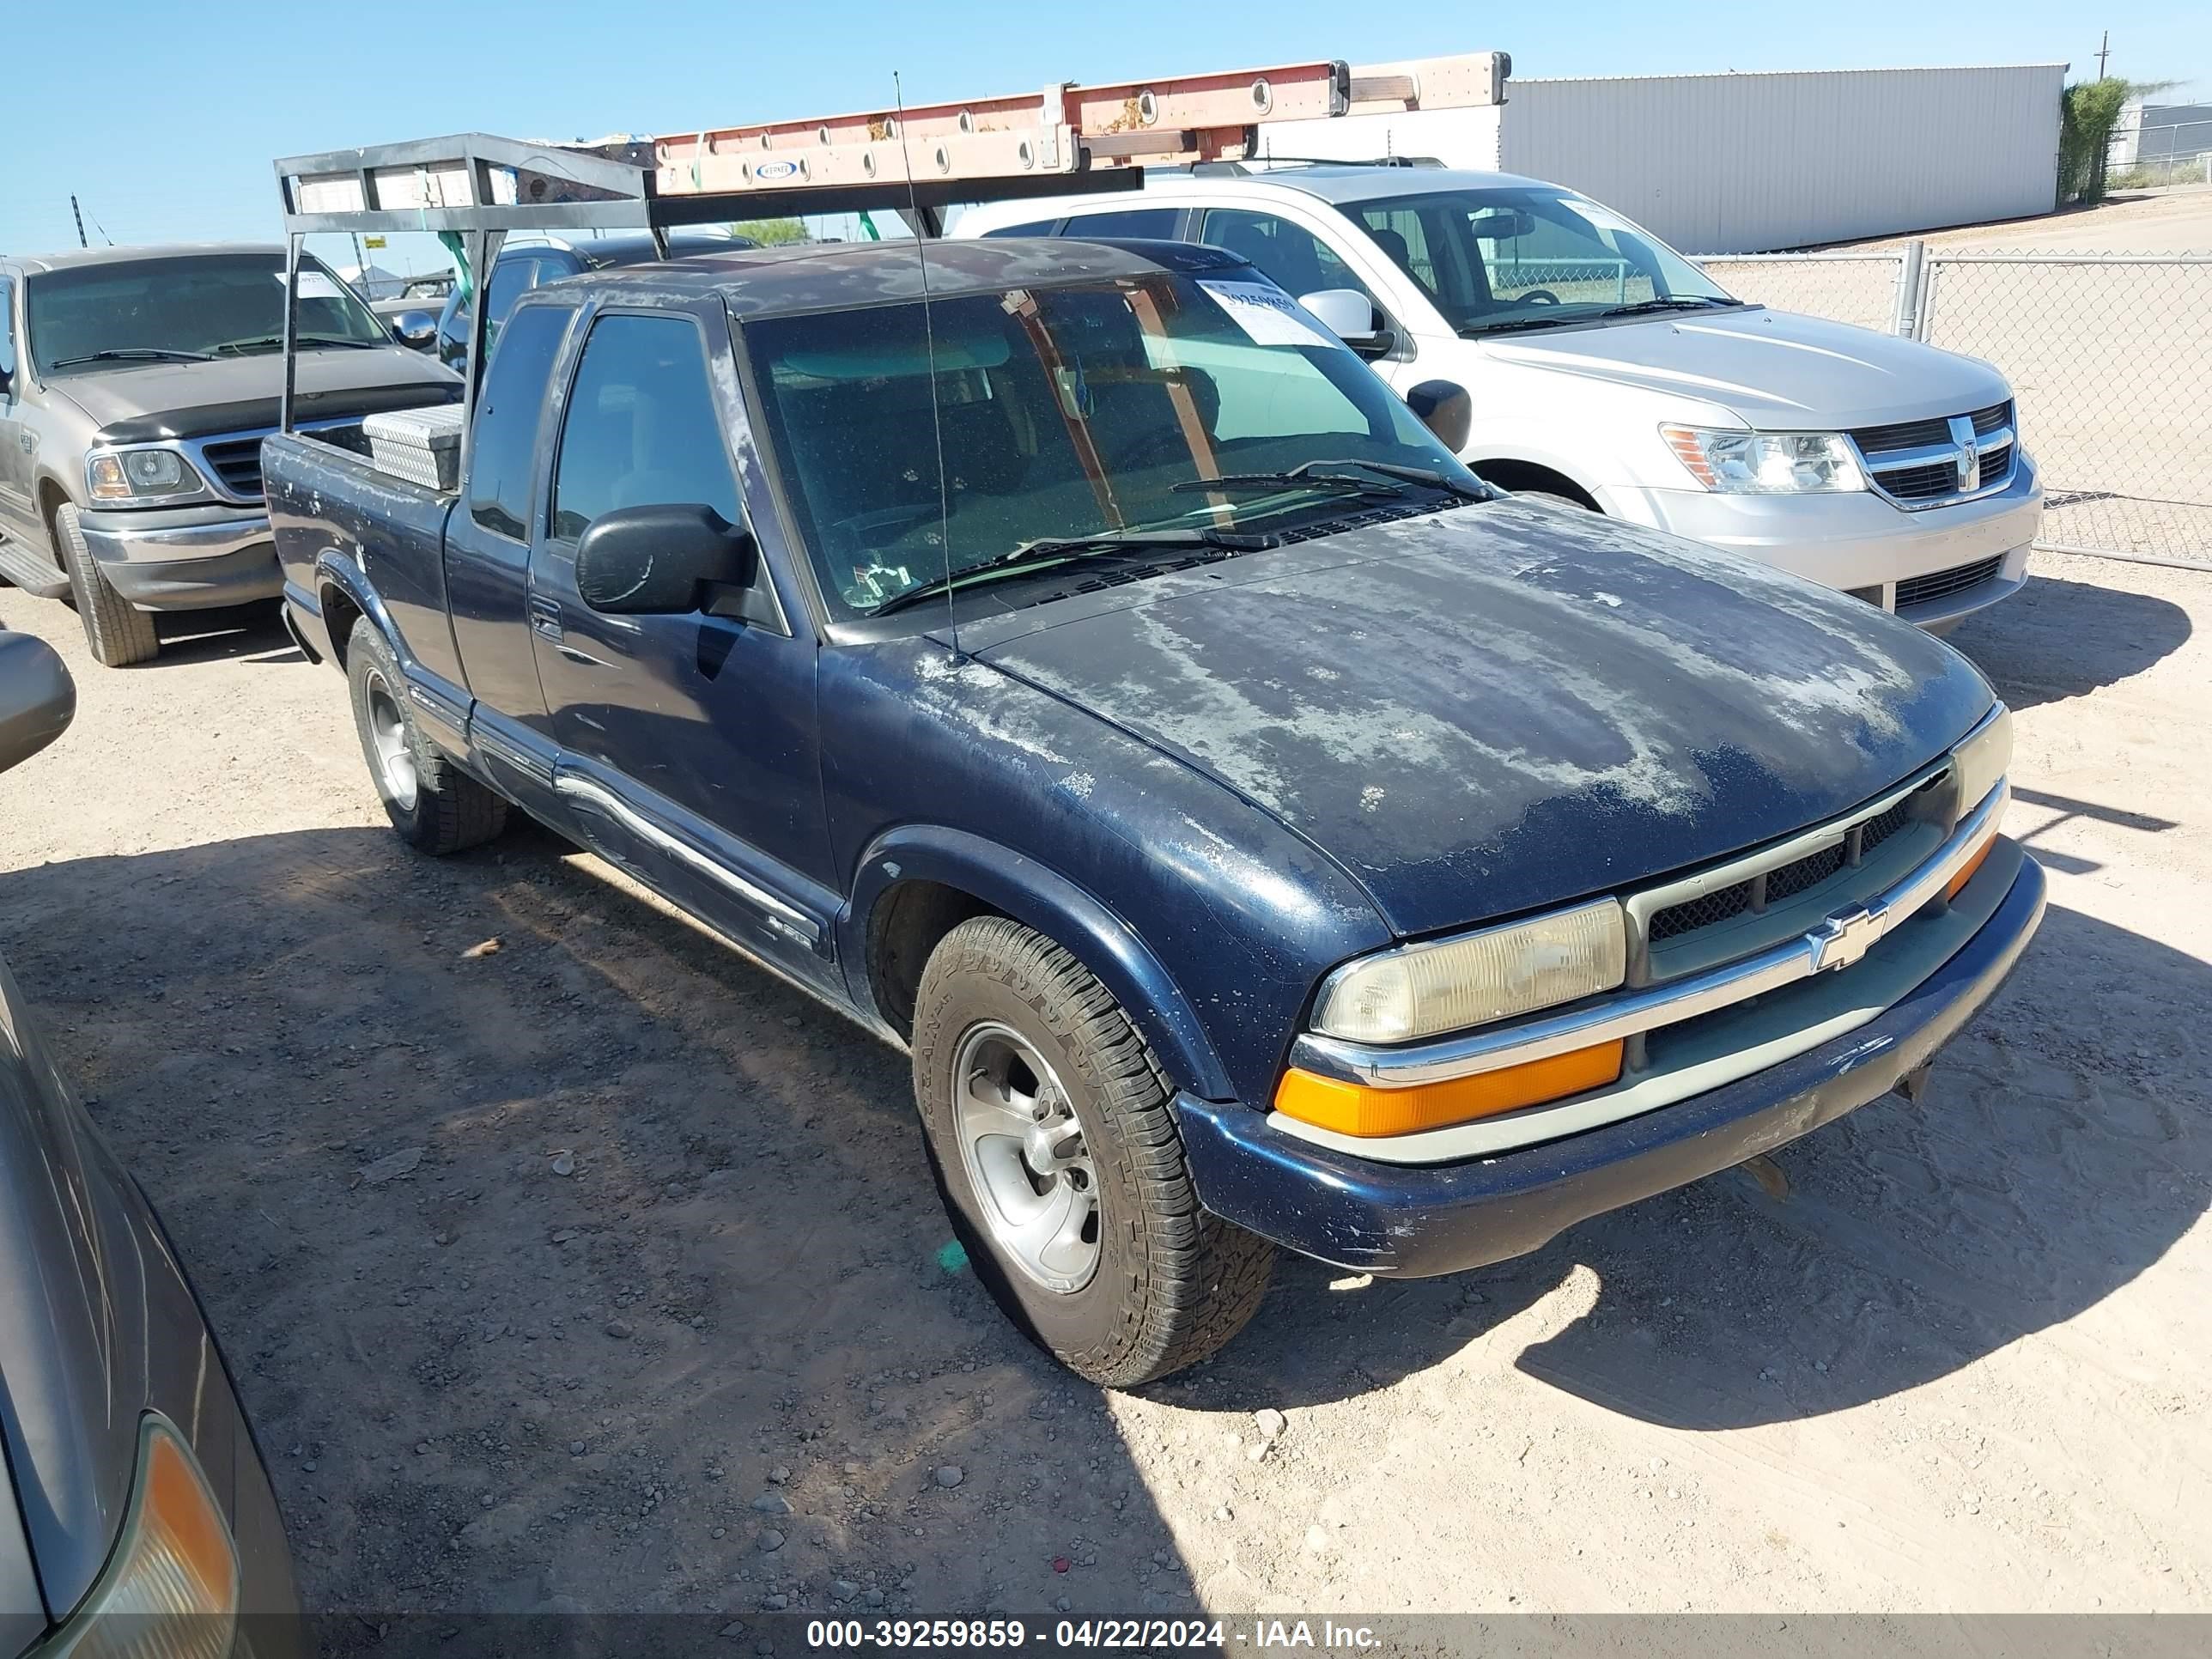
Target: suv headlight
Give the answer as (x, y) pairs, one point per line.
(1766, 463)
(1447, 985)
(170, 1590)
(132, 477)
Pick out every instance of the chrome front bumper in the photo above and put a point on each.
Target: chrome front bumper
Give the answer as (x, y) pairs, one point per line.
(185, 558)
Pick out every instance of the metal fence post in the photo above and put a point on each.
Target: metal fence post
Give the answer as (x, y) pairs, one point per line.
(1924, 299)
(1907, 318)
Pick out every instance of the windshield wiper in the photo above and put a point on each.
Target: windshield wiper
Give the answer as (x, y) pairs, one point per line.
(268, 340)
(132, 354)
(1054, 549)
(1308, 474)
(1674, 302)
(1511, 325)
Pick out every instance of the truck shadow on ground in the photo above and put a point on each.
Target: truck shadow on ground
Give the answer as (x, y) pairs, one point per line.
(593, 1271)
(2056, 639)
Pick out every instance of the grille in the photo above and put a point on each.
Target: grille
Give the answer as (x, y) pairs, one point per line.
(237, 464)
(1921, 435)
(1784, 881)
(1941, 584)
(1921, 484)
(1997, 465)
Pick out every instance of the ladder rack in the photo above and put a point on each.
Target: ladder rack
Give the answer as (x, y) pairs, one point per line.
(1066, 129)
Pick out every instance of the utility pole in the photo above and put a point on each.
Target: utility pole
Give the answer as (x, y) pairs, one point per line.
(2103, 51)
(79, 213)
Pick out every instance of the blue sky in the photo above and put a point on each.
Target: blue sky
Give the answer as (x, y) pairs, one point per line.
(164, 120)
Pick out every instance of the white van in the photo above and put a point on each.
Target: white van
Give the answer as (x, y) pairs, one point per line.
(1605, 370)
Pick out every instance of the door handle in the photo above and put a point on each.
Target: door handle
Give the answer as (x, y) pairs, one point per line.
(545, 617)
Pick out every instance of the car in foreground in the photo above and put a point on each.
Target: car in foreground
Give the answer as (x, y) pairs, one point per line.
(1606, 371)
(136, 384)
(1067, 659)
(138, 1518)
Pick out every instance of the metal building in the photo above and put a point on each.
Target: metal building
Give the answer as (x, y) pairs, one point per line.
(1751, 163)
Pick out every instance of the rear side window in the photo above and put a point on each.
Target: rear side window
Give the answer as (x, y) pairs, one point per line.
(642, 428)
(7, 326)
(1035, 228)
(507, 424)
(1146, 224)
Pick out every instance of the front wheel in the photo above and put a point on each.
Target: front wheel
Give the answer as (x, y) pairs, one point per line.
(118, 631)
(1053, 1142)
(431, 802)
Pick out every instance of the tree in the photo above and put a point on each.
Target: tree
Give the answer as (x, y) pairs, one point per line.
(772, 232)
(2087, 113)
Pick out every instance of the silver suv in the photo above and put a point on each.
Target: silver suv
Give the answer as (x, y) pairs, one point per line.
(135, 385)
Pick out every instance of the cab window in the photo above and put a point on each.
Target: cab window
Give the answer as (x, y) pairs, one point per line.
(1143, 224)
(642, 428)
(506, 423)
(7, 327)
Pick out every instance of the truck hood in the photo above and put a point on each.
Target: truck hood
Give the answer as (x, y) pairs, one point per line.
(143, 403)
(1775, 369)
(1483, 711)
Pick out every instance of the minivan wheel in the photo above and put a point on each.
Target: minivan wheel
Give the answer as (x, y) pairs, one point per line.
(1051, 1132)
(431, 802)
(118, 631)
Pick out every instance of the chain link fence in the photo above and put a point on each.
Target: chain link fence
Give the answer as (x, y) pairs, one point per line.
(2110, 357)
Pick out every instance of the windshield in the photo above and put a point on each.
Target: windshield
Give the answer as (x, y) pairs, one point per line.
(1163, 405)
(1526, 257)
(184, 309)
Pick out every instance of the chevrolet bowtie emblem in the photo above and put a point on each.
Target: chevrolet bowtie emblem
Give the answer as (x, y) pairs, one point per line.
(1841, 939)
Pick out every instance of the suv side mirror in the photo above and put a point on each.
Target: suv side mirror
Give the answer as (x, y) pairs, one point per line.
(1445, 408)
(37, 699)
(417, 329)
(655, 560)
(1351, 316)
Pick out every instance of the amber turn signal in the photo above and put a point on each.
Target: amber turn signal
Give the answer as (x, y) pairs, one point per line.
(1354, 1109)
(1951, 887)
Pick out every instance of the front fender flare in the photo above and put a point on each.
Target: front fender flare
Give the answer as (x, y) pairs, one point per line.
(1040, 897)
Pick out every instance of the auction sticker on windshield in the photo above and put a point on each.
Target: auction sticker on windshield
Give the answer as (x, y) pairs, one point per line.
(1267, 315)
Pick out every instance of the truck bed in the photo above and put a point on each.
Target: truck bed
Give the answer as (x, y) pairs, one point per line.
(343, 524)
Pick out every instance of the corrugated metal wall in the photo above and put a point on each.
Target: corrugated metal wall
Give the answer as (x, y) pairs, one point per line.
(1751, 163)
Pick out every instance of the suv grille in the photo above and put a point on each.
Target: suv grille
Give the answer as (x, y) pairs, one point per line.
(1784, 881)
(1926, 480)
(237, 464)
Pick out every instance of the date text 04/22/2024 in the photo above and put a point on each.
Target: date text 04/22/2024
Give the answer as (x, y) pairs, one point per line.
(1261, 1635)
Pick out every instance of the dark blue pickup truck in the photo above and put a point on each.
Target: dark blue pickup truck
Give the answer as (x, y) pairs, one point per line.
(1078, 668)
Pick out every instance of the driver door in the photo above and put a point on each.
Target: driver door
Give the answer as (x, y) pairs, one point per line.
(686, 747)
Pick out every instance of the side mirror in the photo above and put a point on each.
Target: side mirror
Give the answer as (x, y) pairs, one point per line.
(1351, 316)
(655, 561)
(37, 699)
(1445, 408)
(417, 329)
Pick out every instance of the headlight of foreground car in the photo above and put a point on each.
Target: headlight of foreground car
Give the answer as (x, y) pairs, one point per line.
(1766, 463)
(1447, 985)
(126, 477)
(1977, 766)
(170, 1591)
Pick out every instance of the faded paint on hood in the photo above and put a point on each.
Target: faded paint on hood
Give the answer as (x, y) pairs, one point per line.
(1483, 711)
(144, 402)
(1778, 370)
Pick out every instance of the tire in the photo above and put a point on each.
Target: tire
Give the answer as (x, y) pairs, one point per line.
(1168, 1284)
(432, 803)
(118, 631)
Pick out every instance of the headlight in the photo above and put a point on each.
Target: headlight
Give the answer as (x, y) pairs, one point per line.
(140, 475)
(1977, 763)
(1419, 990)
(1765, 463)
(170, 1590)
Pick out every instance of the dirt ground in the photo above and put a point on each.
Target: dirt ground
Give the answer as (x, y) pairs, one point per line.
(602, 1272)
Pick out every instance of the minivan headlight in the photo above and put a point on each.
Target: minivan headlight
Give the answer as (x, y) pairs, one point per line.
(1446, 985)
(1766, 463)
(123, 476)
(170, 1590)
